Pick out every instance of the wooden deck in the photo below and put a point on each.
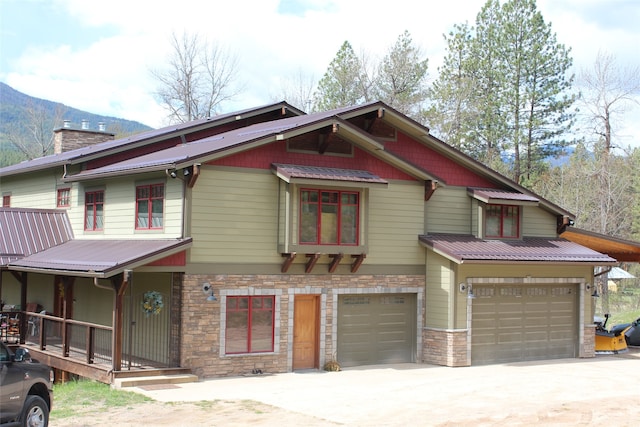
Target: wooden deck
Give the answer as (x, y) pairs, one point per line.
(82, 349)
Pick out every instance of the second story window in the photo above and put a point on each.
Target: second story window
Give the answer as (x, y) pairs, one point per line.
(329, 217)
(94, 210)
(63, 199)
(6, 200)
(502, 221)
(149, 206)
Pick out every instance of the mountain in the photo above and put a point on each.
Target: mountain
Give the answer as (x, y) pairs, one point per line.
(14, 117)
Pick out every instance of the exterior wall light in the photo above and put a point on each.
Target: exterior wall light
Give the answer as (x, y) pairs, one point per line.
(207, 289)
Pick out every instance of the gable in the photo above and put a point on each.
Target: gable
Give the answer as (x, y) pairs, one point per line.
(451, 172)
(262, 158)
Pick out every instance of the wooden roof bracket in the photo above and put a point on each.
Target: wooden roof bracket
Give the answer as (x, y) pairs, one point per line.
(430, 187)
(195, 173)
(563, 223)
(357, 261)
(336, 260)
(313, 259)
(288, 261)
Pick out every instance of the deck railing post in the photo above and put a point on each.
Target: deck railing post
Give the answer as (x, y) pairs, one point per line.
(91, 333)
(65, 338)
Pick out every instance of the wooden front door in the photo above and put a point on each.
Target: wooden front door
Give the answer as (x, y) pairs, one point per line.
(306, 332)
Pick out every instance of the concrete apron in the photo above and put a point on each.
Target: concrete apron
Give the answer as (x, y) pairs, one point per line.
(406, 393)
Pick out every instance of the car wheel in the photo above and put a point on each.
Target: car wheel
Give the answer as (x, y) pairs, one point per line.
(35, 412)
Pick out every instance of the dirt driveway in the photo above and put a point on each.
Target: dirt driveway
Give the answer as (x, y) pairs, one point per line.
(590, 392)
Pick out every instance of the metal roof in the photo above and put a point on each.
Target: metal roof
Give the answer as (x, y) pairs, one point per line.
(78, 155)
(99, 258)
(200, 150)
(24, 232)
(289, 172)
(491, 195)
(469, 249)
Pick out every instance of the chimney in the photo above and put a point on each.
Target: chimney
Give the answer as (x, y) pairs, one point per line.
(69, 137)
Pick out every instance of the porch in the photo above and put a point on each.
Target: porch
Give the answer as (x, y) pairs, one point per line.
(85, 349)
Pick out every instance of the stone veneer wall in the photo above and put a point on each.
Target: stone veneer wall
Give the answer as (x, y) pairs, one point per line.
(203, 322)
(446, 347)
(589, 347)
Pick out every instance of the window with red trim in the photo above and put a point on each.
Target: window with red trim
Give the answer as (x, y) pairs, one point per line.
(329, 217)
(502, 221)
(249, 324)
(6, 201)
(149, 206)
(63, 199)
(93, 210)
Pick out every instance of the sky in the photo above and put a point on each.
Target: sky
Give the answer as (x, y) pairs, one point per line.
(98, 55)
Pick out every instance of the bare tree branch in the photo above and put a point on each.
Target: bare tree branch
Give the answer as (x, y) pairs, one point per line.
(198, 78)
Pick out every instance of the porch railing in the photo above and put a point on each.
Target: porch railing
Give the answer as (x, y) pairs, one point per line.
(89, 342)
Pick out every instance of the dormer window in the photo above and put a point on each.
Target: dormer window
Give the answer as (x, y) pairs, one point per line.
(329, 217)
(324, 210)
(500, 212)
(502, 221)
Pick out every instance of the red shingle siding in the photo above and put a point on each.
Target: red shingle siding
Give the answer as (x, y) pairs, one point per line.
(262, 157)
(435, 163)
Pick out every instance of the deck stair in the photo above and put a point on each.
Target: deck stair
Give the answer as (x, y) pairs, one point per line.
(153, 378)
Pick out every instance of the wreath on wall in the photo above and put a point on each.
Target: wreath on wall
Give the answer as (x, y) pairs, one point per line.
(152, 303)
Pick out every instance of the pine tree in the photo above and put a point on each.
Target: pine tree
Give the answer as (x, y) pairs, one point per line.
(400, 81)
(341, 84)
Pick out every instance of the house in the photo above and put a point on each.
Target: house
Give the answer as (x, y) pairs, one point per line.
(269, 240)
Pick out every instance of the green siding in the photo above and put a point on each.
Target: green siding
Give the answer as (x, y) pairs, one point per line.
(448, 211)
(120, 209)
(438, 292)
(396, 218)
(237, 218)
(35, 191)
(234, 217)
(538, 222)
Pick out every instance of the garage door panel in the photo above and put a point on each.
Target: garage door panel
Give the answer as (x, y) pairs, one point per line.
(519, 322)
(384, 329)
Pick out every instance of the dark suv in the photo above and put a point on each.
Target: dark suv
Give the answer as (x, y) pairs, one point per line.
(25, 389)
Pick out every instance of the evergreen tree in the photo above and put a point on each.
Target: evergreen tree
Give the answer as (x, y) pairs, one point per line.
(511, 75)
(400, 81)
(342, 82)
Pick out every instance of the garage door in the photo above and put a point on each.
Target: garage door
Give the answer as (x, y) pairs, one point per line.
(513, 323)
(376, 329)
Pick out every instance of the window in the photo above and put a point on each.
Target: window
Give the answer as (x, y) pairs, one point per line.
(93, 210)
(64, 198)
(329, 217)
(149, 206)
(249, 324)
(502, 221)
(6, 200)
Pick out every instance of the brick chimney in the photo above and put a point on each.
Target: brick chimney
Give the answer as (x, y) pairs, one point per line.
(69, 138)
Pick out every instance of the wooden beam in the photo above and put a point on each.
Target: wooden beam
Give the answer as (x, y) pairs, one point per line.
(429, 188)
(195, 173)
(336, 260)
(357, 262)
(288, 261)
(313, 259)
(323, 143)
